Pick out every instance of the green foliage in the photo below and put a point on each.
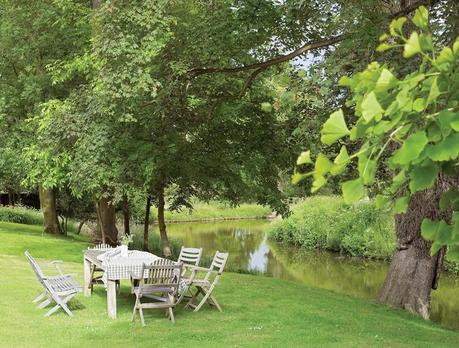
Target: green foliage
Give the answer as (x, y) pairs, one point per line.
(329, 223)
(417, 111)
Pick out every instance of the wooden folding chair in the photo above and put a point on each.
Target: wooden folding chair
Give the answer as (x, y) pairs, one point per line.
(189, 257)
(59, 289)
(159, 282)
(206, 285)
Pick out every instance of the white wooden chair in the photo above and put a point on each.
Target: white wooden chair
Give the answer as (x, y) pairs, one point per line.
(96, 277)
(159, 282)
(189, 257)
(59, 289)
(206, 285)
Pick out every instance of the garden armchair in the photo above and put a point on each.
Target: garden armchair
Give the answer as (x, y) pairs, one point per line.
(205, 285)
(158, 282)
(59, 289)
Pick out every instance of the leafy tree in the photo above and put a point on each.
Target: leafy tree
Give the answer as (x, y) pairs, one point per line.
(408, 124)
(46, 31)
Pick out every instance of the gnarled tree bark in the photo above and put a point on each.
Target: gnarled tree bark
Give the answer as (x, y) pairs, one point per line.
(413, 273)
(48, 207)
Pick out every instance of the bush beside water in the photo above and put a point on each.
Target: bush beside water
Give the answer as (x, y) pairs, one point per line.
(330, 224)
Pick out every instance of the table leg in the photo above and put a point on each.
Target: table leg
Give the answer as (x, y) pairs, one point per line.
(111, 298)
(87, 277)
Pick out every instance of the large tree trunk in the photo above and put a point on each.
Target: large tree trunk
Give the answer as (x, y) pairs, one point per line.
(107, 222)
(413, 272)
(162, 223)
(146, 223)
(48, 207)
(126, 215)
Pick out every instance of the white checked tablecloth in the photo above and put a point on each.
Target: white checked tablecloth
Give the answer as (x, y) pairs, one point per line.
(117, 267)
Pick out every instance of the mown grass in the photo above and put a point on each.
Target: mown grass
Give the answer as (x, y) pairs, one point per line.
(258, 311)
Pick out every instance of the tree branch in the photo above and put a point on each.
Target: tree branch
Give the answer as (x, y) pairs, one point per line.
(299, 51)
(277, 60)
(407, 9)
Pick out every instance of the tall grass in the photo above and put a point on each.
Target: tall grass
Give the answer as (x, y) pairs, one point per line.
(208, 211)
(328, 223)
(21, 215)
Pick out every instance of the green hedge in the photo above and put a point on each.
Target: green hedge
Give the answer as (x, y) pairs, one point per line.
(21, 215)
(328, 223)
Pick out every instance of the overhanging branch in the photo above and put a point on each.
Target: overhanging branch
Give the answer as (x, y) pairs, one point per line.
(305, 48)
(277, 60)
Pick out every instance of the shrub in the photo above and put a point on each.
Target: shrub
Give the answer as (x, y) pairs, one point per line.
(21, 215)
(328, 223)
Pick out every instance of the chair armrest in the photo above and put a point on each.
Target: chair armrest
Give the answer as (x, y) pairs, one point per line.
(56, 264)
(55, 261)
(199, 269)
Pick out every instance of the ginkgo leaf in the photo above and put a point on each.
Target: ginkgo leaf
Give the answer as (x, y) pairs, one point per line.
(322, 166)
(334, 129)
(304, 158)
(412, 46)
(340, 162)
(434, 91)
(371, 107)
(353, 190)
(411, 148)
(401, 205)
(421, 18)
(386, 81)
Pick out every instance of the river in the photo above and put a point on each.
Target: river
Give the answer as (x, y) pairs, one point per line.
(251, 249)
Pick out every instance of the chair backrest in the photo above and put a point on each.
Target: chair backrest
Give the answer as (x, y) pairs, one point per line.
(162, 273)
(101, 246)
(218, 263)
(190, 256)
(36, 268)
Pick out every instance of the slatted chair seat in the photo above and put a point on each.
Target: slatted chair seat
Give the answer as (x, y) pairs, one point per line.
(206, 285)
(159, 282)
(62, 284)
(200, 282)
(59, 289)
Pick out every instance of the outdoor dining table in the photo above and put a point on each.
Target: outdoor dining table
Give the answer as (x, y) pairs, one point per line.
(114, 270)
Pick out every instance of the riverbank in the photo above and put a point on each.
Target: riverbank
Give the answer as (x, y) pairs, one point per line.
(215, 211)
(327, 223)
(257, 310)
(202, 212)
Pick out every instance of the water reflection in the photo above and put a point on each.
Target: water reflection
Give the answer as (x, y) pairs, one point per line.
(250, 249)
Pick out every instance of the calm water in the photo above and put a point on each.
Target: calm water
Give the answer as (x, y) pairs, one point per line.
(250, 249)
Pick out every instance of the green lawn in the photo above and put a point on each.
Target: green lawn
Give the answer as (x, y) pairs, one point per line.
(258, 311)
